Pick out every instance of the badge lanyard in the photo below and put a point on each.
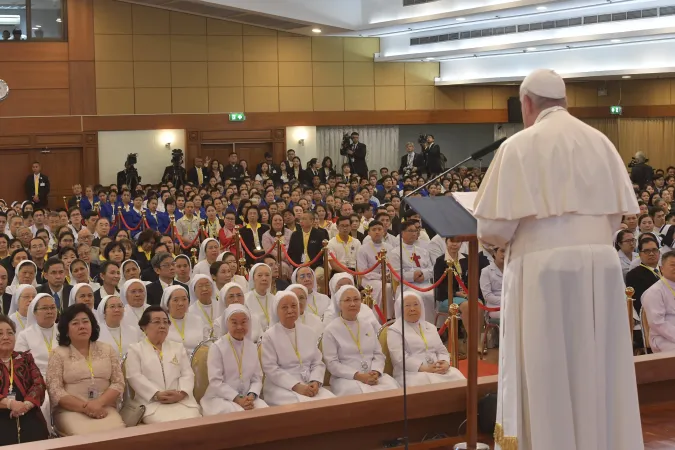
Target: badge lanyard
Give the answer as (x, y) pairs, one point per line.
(315, 310)
(240, 364)
(48, 343)
(357, 341)
(208, 319)
(180, 332)
(160, 354)
(264, 309)
(119, 344)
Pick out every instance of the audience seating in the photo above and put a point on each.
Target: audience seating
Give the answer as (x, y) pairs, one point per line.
(645, 331)
(199, 363)
(382, 337)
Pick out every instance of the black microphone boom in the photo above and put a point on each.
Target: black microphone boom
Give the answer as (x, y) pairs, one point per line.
(486, 150)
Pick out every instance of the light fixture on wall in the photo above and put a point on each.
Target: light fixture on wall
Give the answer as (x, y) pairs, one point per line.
(301, 142)
(316, 30)
(166, 138)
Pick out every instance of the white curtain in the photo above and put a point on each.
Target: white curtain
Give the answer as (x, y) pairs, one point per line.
(382, 142)
(507, 129)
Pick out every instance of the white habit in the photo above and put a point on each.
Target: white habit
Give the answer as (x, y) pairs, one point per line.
(556, 192)
(659, 304)
(415, 258)
(260, 307)
(367, 257)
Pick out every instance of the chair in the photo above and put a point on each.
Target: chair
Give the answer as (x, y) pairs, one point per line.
(382, 337)
(489, 323)
(130, 409)
(326, 375)
(645, 331)
(198, 361)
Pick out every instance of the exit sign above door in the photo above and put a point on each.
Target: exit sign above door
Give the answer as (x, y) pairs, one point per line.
(237, 117)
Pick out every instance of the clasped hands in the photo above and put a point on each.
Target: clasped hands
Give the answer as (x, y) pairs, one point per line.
(245, 402)
(18, 409)
(95, 409)
(370, 378)
(170, 397)
(418, 276)
(308, 390)
(440, 367)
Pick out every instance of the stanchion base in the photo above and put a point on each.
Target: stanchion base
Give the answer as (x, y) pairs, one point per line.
(464, 446)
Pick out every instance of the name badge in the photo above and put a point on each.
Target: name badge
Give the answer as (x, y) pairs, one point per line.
(92, 392)
(42, 184)
(303, 259)
(11, 396)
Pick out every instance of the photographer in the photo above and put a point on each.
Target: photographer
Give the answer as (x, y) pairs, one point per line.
(355, 151)
(129, 175)
(411, 162)
(175, 173)
(641, 173)
(433, 157)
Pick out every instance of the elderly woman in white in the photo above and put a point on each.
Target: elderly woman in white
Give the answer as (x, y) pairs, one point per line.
(351, 350)
(235, 376)
(427, 360)
(317, 302)
(24, 273)
(134, 297)
(82, 293)
(18, 310)
(259, 299)
(208, 254)
(114, 331)
(203, 304)
(159, 372)
(184, 328)
(232, 294)
(365, 314)
(291, 359)
(307, 318)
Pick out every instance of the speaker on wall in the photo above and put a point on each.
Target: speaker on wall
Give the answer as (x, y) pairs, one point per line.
(515, 114)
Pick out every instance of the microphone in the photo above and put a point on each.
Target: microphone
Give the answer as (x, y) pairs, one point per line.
(488, 149)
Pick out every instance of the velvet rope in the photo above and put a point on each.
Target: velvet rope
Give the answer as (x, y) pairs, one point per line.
(297, 266)
(352, 272)
(412, 286)
(126, 225)
(147, 225)
(182, 244)
(243, 244)
(462, 286)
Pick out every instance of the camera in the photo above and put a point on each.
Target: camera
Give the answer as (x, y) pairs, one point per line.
(177, 157)
(346, 140)
(422, 139)
(132, 158)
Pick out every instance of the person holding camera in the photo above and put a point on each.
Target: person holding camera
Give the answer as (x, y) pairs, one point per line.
(175, 173)
(411, 162)
(356, 152)
(641, 174)
(433, 157)
(129, 175)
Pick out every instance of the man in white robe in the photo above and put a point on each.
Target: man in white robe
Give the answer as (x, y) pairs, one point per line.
(417, 266)
(659, 304)
(367, 257)
(553, 196)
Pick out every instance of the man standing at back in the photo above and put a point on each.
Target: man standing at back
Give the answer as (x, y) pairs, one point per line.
(554, 195)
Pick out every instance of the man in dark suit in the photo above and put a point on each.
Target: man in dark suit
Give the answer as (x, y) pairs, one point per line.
(433, 156)
(37, 186)
(307, 243)
(644, 276)
(356, 152)
(165, 268)
(56, 286)
(233, 171)
(411, 162)
(274, 170)
(74, 201)
(6, 298)
(199, 175)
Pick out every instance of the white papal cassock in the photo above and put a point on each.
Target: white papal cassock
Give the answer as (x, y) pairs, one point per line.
(367, 257)
(282, 367)
(343, 358)
(416, 257)
(556, 192)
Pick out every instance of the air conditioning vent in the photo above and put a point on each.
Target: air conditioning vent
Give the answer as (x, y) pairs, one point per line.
(498, 31)
(523, 28)
(618, 16)
(536, 26)
(668, 10)
(634, 15)
(562, 23)
(603, 18)
(590, 20)
(453, 36)
(509, 30)
(475, 33)
(416, 2)
(576, 21)
(652, 12)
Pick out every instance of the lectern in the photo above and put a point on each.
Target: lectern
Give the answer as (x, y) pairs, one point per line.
(448, 218)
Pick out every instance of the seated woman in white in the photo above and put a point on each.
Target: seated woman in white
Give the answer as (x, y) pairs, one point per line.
(232, 294)
(18, 310)
(291, 359)
(82, 293)
(185, 328)
(134, 297)
(365, 314)
(231, 260)
(351, 350)
(183, 269)
(159, 372)
(24, 273)
(427, 361)
(208, 254)
(39, 337)
(203, 305)
(114, 331)
(306, 318)
(79, 273)
(259, 300)
(235, 376)
(317, 302)
(130, 270)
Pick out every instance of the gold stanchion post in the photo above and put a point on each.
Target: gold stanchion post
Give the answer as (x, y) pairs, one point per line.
(453, 334)
(326, 268)
(382, 258)
(630, 292)
(278, 241)
(193, 251)
(242, 266)
(237, 248)
(368, 296)
(65, 203)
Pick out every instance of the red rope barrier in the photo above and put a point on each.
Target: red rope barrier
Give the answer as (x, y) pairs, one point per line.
(462, 286)
(351, 272)
(180, 241)
(243, 245)
(379, 313)
(127, 225)
(412, 286)
(147, 225)
(297, 266)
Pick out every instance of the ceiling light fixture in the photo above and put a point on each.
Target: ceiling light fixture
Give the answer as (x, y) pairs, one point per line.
(615, 41)
(531, 49)
(316, 30)
(58, 20)
(460, 19)
(626, 76)
(541, 8)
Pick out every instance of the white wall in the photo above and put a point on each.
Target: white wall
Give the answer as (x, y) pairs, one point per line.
(306, 152)
(153, 156)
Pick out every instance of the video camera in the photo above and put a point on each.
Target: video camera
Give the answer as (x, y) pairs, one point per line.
(132, 158)
(177, 157)
(422, 139)
(346, 140)
(633, 162)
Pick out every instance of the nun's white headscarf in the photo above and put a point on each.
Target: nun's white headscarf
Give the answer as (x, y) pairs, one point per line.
(73, 292)
(14, 307)
(70, 271)
(31, 309)
(125, 289)
(167, 295)
(202, 248)
(332, 285)
(237, 308)
(188, 260)
(294, 278)
(337, 297)
(122, 278)
(274, 316)
(223, 255)
(193, 283)
(15, 280)
(398, 324)
(100, 309)
(251, 281)
(298, 286)
(226, 289)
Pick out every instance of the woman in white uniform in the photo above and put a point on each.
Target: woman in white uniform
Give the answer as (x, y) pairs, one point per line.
(351, 350)
(306, 318)
(208, 254)
(79, 273)
(130, 270)
(235, 376)
(183, 269)
(24, 273)
(427, 360)
(366, 314)
(232, 294)
(316, 302)
(18, 310)
(159, 372)
(82, 293)
(291, 359)
(231, 261)
(134, 297)
(114, 331)
(203, 305)
(185, 328)
(259, 300)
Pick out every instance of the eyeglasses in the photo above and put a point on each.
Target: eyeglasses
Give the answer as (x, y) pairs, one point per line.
(46, 308)
(352, 301)
(159, 322)
(118, 307)
(629, 241)
(652, 251)
(167, 266)
(305, 276)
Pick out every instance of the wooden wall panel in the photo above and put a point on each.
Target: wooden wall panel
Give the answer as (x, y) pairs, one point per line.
(36, 102)
(81, 30)
(82, 87)
(43, 51)
(36, 75)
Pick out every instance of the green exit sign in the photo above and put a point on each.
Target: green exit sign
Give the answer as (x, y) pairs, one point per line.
(617, 110)
(237, 117)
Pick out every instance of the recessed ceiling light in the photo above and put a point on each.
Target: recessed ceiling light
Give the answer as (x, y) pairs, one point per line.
(616, 41)
(429, 59)
(531, 49)
(460, 19)
(541, 8)
(58, 20)
(38, 26)
(626, 76)
(316, 30)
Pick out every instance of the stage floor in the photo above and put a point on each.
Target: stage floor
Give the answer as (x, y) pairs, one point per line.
(658, 426)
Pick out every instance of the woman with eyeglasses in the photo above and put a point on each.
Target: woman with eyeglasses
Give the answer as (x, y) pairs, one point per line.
(185, 328)
(625, 248)
(203, 304)
(317, 303)
(232, 294)
(114, 331)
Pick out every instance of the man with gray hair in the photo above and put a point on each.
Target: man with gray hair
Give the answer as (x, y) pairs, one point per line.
(553, 197)
(641, 173)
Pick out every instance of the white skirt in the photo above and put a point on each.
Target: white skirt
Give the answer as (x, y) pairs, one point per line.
(424, 378)
(213, 406)
(343, 386)
(169, 413)
(275, 395)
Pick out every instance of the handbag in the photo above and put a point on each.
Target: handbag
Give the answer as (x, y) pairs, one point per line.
(132, 412)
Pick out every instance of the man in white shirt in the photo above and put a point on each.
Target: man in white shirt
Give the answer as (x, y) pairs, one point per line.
(659, 304)
(366, 258)
(343, 246)
(188, 225)
(557, 210)
(417, 266)
(491, 282)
